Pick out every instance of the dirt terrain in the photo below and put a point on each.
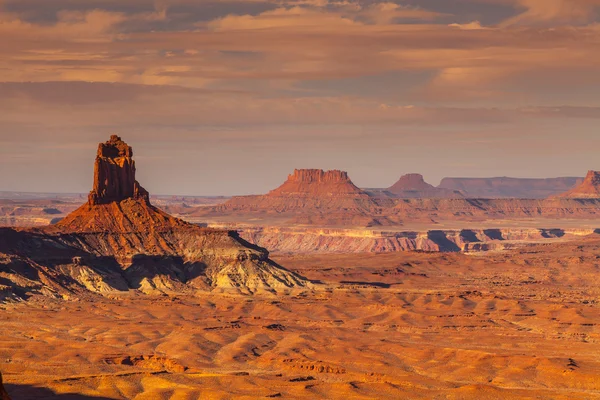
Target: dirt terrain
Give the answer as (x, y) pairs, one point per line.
(520, 325)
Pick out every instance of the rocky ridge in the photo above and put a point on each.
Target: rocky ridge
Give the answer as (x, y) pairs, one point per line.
(322, 241)
(118, 241)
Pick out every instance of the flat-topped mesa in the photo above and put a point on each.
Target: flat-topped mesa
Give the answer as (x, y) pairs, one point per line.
(316, 182)
(411, 182)
(589, 189)
(114, 174)
(318, 175)
(414, 186)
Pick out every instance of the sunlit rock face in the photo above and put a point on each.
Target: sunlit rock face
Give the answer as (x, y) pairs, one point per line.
(114, 174)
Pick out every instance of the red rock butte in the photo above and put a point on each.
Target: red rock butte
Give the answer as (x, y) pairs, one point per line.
(414, 186)
(316, 182)
(412, 181)
(114, 174)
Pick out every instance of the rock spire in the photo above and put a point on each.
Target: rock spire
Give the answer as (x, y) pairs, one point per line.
(114, 174)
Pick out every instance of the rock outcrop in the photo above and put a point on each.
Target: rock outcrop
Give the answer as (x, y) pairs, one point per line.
(118, 241)
(330, 199)
(318, 183)
(412, 186)
(503, 187)
(588, 189)
(310, 196)
(322, 240)
(3, 394)
(114, 174)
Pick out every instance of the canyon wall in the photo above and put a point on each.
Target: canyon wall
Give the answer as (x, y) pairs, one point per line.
(308, 240)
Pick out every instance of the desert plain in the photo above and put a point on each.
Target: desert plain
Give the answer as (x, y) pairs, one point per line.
(519, 325)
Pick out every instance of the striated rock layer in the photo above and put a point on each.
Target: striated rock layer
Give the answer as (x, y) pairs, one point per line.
(330, 199)
(414, 186)
(126, 243)
(313, 240)
(588, 189)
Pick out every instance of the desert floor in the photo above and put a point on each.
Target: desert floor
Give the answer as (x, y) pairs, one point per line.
(521, 325)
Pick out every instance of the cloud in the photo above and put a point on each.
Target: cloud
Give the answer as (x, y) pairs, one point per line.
(554, 11)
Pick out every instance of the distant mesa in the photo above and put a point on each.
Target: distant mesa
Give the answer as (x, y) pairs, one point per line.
(309, 196)
(412, 186)
(588, 189)
(316, 182)
(505, 187)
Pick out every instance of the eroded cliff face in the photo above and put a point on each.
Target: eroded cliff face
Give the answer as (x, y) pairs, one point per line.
(118, 241)
(414, 186)
(114, 174)
(308, 240)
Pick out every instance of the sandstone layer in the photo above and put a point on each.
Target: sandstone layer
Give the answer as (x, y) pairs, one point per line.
(346, 241)
(503, 187)
(118, 241)
(588, 189)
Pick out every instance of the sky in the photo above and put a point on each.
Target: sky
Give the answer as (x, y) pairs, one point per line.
(224, 97)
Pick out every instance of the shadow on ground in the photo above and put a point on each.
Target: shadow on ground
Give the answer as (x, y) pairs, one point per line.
(25, 392)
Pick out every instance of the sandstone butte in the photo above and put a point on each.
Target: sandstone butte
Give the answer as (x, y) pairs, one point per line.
(414, 186)
(588, 189)
(309, 196)
(119, 241)
(3, 394)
